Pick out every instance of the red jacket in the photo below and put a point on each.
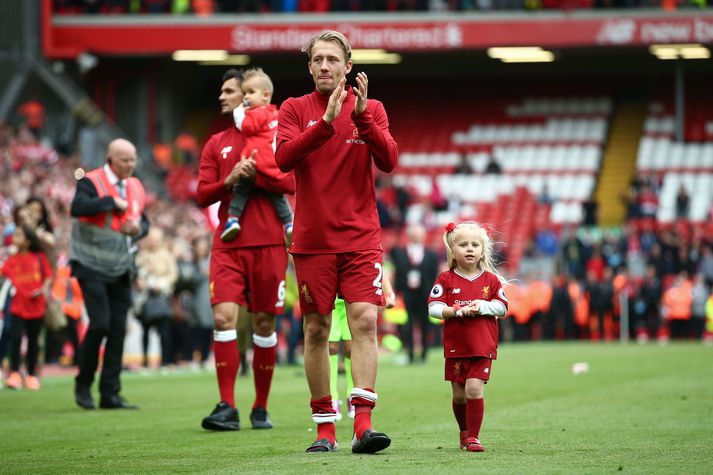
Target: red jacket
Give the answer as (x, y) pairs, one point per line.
(260, 128)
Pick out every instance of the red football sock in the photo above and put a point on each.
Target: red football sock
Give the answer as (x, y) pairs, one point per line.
(327, 431)
(363, 405)
(459, 410)
(323, 406)
(227, 362)
(475, 410)
(263, 367)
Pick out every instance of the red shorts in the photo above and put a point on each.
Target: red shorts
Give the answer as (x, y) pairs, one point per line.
(460, 369)
(252, 276)
(356, 276)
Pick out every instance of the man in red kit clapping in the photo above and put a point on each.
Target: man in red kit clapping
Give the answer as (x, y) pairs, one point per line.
(331, 138)
(246, 271)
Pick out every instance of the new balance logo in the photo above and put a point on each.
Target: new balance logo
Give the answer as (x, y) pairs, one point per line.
(311, 123)
(456, 291)
(486, 370)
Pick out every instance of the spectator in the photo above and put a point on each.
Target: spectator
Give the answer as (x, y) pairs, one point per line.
(403, 198)
(416, 269)
(157, 274)
(646, 315)
(539, 301)
(463, 167)
(437, 200)
(648, 202)
(682, 202)
(544, 198)
(156, 6)
(630, 199)
(580, 305)
(200, 314)
(596, 263)
(38, 218)
(187, 147)
(590, 207)
(493, 167)
(699, 296)
(676, 306)
(573, 254)
(30, 273)
(561, 321)
(546, 241)
(66, 290)
(519, 310)
(601, 303)
(33, 113)
(706, 265)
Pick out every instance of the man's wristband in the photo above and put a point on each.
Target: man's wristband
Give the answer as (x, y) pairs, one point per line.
(458, 310)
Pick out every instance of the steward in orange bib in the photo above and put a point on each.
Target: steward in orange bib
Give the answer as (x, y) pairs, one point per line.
(676, 306)
(108, 210)
(66, 289)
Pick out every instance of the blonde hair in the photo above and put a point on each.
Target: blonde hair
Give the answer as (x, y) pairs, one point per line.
(265, 81)
(333, 36)
(486, 262)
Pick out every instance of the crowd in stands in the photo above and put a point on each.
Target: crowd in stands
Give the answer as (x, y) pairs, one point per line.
(209, 7)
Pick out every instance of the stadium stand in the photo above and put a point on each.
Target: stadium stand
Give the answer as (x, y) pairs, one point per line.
(686, 164)
(548, 150)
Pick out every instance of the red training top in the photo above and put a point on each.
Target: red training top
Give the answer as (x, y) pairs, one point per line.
(336, 201)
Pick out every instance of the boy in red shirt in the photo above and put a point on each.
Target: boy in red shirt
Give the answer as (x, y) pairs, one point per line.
(256, 118)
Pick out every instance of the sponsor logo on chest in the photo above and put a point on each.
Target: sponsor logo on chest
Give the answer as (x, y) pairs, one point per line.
(355, 137)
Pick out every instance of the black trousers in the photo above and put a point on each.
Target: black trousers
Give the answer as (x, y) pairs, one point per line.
(107, 306)
(417, 309)
(163, 328)
(32, 329)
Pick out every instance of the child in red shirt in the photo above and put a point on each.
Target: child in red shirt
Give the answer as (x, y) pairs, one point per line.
(30, 273)
(256, 119)
(470, 298)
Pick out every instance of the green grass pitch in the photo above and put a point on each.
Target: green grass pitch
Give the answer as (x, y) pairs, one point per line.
(638, 410)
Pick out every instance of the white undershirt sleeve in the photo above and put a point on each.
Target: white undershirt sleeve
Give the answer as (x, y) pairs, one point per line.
(492, 307)
(435, 309)
(239, 117)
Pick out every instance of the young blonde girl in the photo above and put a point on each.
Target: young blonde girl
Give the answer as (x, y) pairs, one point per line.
(470, 298)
